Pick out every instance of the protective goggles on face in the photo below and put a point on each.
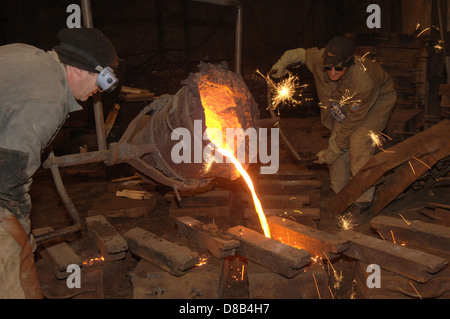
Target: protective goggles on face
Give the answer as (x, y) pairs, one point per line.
(336, 68)
(106, 80)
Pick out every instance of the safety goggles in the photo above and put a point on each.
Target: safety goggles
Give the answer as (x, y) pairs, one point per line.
(338, 68)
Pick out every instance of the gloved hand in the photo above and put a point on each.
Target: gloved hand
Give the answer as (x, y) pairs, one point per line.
(289, 57)
(326, 156)
(329, 155)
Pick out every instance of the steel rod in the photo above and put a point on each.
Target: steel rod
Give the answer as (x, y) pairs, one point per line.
(70, 208)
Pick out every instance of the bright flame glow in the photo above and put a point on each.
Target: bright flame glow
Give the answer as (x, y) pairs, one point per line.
(91, 261)
(202, 261)
(218, 102)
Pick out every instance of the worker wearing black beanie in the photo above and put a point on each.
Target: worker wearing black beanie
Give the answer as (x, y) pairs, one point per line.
(86, 48)
(38, 91)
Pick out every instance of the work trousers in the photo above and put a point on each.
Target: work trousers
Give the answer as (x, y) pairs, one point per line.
(361, 147)
(18, 275)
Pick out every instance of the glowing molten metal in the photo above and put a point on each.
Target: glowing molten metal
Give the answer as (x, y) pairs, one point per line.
(217, 101)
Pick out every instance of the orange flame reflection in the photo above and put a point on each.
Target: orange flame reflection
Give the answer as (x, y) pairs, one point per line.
(91, 261)
(218, 103)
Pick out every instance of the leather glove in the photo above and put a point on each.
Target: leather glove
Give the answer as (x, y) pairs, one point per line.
(289, 57)
(326, 156)
(329, 155)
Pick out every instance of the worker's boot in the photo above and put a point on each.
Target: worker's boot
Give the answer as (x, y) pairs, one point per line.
(28, 274)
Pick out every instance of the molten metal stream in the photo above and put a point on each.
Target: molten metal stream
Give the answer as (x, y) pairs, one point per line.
(218, 103)
(248, 180)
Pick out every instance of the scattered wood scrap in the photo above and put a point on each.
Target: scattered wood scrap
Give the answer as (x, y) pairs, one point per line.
(133, 194)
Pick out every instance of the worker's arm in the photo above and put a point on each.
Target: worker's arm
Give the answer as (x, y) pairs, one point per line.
(25, 131)
(290, 57)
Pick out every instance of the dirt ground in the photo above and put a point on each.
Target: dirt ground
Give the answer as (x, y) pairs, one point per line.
(91, 189)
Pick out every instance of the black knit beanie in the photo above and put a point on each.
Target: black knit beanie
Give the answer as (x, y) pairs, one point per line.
(85, 48)
(339, 50)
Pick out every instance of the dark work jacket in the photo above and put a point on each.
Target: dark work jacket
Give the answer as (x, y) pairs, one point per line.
(365, 82)
(34, 103)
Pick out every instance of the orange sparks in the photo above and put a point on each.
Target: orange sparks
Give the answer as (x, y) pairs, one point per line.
(331, 293)
(412, 168)
(380, 235)
(407, 222)
(317, 287)
(378, 140)
(422, 162)
(415, 290)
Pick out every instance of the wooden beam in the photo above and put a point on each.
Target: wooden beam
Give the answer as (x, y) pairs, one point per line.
(285, 172)
(111, 119)
(304, 215)
(219, 244)
(200, 211)
(280, 187)
(414, 232)
(414, 264)
(316, 242)
(171, 257)
(111, 244)
(210, 198)
(294, 201)
(429, 146)
(275, 256)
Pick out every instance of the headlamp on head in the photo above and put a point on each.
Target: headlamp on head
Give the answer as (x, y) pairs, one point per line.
(106, 80)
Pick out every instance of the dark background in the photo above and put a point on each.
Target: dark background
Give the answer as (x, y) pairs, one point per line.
(160, 42)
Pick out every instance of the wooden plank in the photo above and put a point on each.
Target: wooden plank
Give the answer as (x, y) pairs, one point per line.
(389, 40)
(57, 254)
(217, 211)
(110, 243)
(416, 233)
(444, 89)
(132, 212)
(151, 282)
(304, 215)
(111, 118)
(169, 256)
(414, 264)
(385, 54)
(440, 216)
(218, 243)
(316, 242)
(394, 286)
(285, 171)
(210, 198)
(275, 256)
(234, 278)
(280, 187)
(445, 101)
(294, 201)
(428, 146)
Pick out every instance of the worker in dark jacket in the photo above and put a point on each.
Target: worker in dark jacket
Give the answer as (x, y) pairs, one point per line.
(356, 97)
(38, 89)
